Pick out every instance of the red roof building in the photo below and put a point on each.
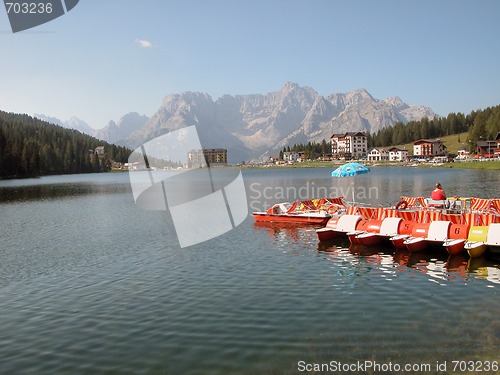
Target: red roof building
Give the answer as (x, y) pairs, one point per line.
(429, 148)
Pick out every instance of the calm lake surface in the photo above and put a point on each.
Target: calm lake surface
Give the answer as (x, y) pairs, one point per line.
(90, 283)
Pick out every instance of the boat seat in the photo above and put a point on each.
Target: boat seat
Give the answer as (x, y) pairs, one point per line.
(477, 233)
(347, 223)
(438, 230)
(493, 237)
(390, 226)
(431, 203)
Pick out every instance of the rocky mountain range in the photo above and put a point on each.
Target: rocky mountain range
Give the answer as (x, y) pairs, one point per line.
(72, 123)
(113, 132)
(250, 126)
(119, 132)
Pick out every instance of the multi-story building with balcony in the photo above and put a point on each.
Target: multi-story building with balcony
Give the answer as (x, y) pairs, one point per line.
(426, 148)
(207, 156)
(350, 145)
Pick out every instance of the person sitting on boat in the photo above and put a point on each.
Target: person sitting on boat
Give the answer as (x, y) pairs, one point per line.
(438, 193)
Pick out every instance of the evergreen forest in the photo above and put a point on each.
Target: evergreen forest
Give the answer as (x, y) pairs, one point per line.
(480, 125)
(30, 147)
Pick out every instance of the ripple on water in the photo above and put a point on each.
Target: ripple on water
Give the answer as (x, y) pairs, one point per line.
(90, 294)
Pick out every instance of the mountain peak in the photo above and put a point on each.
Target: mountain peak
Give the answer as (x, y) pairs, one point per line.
(250, 125)
(294, 87)
(111, 124)
(117, 132)
(395, 101)
(289, 86)
(73, 123)
(359, 95)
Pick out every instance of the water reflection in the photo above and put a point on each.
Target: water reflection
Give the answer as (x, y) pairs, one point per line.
(56, 187)
(284, 232)
(437, 265)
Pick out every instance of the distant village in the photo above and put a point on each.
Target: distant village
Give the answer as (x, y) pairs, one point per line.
(213, 157)
(354, 146)
(345, 146)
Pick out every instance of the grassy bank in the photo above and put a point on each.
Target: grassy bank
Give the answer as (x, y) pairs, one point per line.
(329, 164)
(452, 142)
(487, 165)
(305, 164)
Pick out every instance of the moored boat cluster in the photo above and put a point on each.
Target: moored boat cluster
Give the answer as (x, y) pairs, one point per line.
(459, 225)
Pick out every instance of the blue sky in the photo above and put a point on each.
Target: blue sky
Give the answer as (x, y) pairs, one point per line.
(109, 57)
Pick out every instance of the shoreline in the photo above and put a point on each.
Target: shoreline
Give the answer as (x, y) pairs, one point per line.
(489, 165)
(478, 165)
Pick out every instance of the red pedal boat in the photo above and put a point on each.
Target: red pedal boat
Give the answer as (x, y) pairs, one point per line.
(296, 213)
(343, 225)
(435, 233)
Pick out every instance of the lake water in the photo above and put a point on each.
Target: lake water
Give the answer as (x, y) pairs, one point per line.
(90, 283)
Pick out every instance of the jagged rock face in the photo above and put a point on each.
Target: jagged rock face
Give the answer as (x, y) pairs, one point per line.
(117, 132)
(249, 125)
(112, 133)
(73, 123)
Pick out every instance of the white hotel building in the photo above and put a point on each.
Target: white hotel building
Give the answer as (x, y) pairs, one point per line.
(350, 145)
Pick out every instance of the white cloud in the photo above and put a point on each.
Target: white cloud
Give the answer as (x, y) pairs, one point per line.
(144, 43)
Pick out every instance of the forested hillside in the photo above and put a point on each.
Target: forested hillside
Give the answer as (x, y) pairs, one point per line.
(483, 124)
(31, 147)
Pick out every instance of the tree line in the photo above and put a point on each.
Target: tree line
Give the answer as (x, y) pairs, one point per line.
(311, 149)
(480, 125)
(30, 147)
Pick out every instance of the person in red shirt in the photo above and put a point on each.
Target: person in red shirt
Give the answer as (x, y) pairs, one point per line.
(438, 193)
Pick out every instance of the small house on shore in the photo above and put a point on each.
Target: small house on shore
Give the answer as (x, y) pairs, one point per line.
(398, 154)
(378, 154)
